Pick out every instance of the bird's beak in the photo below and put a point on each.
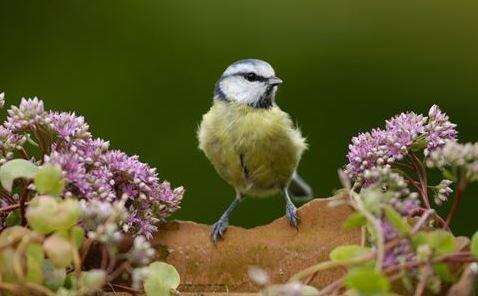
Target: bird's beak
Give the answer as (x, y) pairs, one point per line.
(275, 81)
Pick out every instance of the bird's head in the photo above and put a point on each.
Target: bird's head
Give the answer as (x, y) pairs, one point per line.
(252, 82)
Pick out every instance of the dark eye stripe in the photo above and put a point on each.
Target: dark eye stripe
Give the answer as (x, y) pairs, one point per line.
(251, 76)
(243, 74)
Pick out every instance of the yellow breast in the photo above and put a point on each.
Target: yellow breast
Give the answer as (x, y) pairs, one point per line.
(254, 150)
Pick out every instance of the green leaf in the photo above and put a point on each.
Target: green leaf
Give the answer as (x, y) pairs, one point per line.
(45, 214)
(367, 281)
(71, 282)
(354, 220)
(35, 256)
(12, 234)
(54, 277)
(398, 222)
(441, 241)
(14, 218)
(309, 291)
(447, 174)
(420, 238)
(59, 250)
(474, 245)
(78, 235)
(14, 169)
(40, 212)
(443, 271)
(65, 292)
(6, 262)
(49, 180)
(161, 279)
(347, 253)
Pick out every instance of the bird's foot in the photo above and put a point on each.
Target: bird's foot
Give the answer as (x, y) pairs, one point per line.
(291, 213)
(218, 229)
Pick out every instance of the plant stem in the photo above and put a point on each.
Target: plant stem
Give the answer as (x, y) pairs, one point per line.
(422, 283)
(442, 259)
(423, 219)
(359, 206)
(5, 195)
(316, 268)
(104, 257)
(76, 258)
(85, 248)
(24, 154)
(9, 208)
(456, 201)
(331, 288)
(23, 200)
(124, 266)
(435, 215)
(422, 175)
(363, 238)
(330, 264)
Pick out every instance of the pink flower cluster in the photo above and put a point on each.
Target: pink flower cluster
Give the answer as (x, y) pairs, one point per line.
(401, 133)
(92, 170)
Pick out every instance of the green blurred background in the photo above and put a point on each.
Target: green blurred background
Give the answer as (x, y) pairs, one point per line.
(142, 73)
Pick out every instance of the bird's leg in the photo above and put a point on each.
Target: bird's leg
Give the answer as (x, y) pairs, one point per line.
(219, 228)
(290, 209)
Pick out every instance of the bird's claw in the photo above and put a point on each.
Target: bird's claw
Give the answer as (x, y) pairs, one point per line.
(218, 230)
(291, 213)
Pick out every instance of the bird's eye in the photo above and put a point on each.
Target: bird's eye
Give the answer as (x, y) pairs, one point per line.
(251, 76)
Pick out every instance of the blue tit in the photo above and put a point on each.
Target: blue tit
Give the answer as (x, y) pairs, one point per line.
(253, 145)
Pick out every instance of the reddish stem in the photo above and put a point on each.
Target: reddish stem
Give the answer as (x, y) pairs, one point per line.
(422, 175)
(104, 257)
(9, 208)
(24, 153)
(435, 215)
(456, 201)
(85, 249)
(457, 257)
(123, 266)
(425, 275)
(5, 195)
(423, 220)
(334, 286)
(23, 201)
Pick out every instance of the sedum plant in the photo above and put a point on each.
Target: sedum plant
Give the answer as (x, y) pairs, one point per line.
(90, 169)
(69, 206)
(407, 248)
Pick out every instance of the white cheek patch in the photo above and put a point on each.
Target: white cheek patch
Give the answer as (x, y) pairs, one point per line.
(236, 88)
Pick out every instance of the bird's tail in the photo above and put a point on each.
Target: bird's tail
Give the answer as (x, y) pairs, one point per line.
(299, 189)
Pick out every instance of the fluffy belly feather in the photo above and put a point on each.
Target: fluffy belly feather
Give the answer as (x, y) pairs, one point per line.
(254, 150)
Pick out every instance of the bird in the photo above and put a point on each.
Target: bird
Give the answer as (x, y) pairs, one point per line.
(253, 144)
